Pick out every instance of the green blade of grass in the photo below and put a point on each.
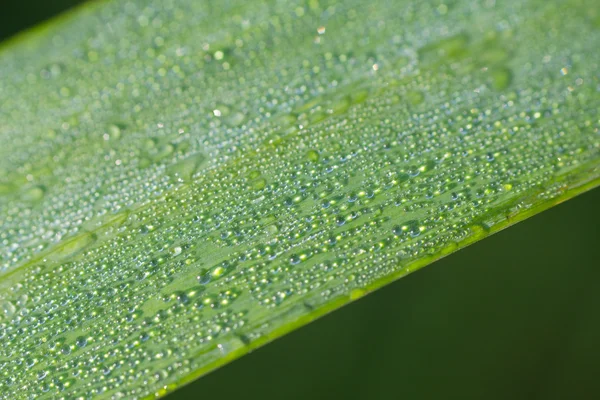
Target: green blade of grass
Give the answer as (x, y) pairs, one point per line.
(182, 182)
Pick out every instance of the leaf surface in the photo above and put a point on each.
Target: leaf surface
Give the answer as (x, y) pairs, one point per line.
(184, 181)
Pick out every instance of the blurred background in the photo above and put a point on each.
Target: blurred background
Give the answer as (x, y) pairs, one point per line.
(516, 316)
(18, 15)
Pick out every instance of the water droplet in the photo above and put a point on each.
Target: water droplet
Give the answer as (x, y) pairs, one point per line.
(259, 184)
(312, 155)
(501, 78)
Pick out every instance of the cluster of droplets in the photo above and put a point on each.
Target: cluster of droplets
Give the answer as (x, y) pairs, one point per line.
(185, 184)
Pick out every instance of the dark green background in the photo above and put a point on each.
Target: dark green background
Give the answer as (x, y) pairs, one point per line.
(17, 15)
(516, 316)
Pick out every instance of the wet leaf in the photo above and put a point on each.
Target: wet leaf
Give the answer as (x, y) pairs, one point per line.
(183, 181)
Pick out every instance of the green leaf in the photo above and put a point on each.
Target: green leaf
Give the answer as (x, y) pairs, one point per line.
(182, 181)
